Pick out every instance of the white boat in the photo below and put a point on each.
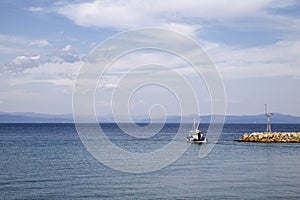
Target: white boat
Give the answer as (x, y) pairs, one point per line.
(196, 136)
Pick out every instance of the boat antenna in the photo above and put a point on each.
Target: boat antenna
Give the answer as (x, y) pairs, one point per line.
(268, 115)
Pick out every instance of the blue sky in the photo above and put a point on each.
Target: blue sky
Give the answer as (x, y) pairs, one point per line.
(254, 44)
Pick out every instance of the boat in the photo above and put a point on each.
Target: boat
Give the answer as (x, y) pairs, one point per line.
(196, 136)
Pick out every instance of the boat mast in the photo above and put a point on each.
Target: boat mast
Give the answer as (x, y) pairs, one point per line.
(194, 125)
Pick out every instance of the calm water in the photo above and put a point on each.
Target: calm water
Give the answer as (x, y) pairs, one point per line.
(48, 161)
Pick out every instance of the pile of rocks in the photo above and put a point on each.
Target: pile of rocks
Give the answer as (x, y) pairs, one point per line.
(271, 137)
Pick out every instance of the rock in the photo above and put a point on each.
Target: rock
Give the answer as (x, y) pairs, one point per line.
(263, 140)
(245, 137)
(285, 137)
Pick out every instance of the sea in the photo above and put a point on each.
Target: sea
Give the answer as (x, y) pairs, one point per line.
(49, 161)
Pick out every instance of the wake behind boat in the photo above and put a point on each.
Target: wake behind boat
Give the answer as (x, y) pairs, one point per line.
(196, 136)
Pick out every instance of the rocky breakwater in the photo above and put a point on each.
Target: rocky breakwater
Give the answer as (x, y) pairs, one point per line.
(285, 137)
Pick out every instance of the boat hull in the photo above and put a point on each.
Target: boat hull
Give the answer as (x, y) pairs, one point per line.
(197, 141)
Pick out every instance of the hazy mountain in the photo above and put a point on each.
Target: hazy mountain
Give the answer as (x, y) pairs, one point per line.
(29, 117)
(247, 119)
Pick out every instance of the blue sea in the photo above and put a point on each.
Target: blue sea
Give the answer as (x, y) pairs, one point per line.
(49, 161)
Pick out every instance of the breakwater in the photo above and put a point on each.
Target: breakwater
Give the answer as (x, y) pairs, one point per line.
(268, 137)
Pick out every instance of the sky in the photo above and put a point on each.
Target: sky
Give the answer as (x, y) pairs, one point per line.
(254, 45)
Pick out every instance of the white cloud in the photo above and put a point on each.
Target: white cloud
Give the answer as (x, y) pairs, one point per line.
(275, 60)
(36, 9)
(108, 85)
(132, 13)
(183, 28)
(57, 82)
(19, 60)
(67, 48)
(21, 63)
(282, 4)
(10, 44)
(35, 57)
(15, 40)
(12, 39)
(40, 43)
(59, 74)
(54, 70)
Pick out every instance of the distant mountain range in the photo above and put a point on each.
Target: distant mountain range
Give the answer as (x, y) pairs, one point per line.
(29, 117)
(247, 119)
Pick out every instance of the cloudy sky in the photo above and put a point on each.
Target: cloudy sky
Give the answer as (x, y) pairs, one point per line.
(254, 44)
